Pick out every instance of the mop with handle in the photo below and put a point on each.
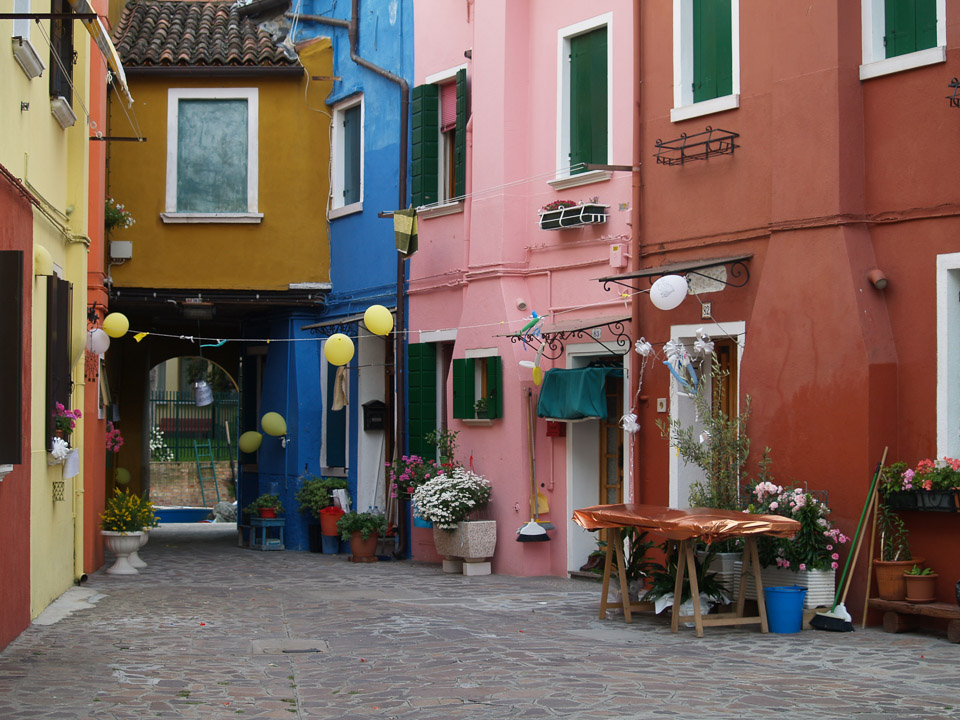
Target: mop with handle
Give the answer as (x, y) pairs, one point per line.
(837, 619)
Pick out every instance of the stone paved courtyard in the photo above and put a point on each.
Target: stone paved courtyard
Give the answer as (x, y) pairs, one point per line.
(210, 630)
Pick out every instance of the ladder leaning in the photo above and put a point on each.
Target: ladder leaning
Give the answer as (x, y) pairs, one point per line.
(206, 470)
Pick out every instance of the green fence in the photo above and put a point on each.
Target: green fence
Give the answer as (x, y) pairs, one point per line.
(182, 422)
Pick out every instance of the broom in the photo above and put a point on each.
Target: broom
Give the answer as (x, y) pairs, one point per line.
(533, 531)
(837, 619)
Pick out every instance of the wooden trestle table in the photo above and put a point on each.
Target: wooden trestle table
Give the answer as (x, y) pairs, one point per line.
(684, 527)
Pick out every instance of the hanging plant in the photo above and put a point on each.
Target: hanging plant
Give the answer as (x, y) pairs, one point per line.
(116, 216)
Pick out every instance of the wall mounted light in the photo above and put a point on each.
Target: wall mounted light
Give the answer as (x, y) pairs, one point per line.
(42, 261)
(877, 278)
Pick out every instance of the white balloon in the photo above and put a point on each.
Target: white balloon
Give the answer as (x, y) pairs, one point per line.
(668, 292)
(527, 363)
(98, 341)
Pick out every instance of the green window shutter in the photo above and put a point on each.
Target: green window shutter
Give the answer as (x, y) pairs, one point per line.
(712, 49)
(425, 131)
(926, 21)
(588, 98)
(463, 389)
(421, 397)
(460, 138)
(495, 386)
(336, 430)
(909, 25)
(351, 155)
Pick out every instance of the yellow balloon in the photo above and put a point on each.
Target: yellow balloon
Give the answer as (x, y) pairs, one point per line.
(122, 476)
(116, 325)
(274, 424)
(537, 376)
(338, 349)
(378, 320)
(250, 441)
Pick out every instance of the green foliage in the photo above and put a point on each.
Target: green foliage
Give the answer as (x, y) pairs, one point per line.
(197, 369)
(366, 523)
(664, 580)
(723, 453)
(891, 478)
(916, 570)
(115, 215)
(314, 493)
(481, 406)
(638, 566)
(894, 536)
(264, 501)
(445, 441)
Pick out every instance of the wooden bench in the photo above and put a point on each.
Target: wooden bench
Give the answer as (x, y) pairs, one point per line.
(901, 616)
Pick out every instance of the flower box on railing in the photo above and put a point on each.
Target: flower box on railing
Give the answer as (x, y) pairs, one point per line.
(574, 216)
(928, 500)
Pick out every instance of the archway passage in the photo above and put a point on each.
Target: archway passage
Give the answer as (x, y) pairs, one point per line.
(192, 419)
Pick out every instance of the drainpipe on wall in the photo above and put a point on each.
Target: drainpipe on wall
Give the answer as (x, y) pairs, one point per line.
(636, 235)
(353, 33)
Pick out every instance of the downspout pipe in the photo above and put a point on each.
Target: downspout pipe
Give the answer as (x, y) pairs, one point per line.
(636, 232)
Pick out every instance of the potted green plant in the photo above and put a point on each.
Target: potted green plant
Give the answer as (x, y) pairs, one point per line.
(124, 517)
(266, 506)
(482, 407)
(362, 529)
(445, 441)
(921, 584)
(317, 493)
(894, 556)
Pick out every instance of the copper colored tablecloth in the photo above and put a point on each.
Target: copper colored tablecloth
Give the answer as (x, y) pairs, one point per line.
(703, 523)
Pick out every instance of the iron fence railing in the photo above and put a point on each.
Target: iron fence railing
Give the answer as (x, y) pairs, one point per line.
(177, 416)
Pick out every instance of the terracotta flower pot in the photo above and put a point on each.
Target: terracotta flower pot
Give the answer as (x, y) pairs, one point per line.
(890, 584)
(921, 588)
(363, 550)
(267, 512)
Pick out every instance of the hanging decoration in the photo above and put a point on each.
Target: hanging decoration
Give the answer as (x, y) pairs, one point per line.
(338, 349)
(121, 476)
(116, 325)
(378, 319)
(668, 292)
(274, 424)
(250, 441)
(98, 342)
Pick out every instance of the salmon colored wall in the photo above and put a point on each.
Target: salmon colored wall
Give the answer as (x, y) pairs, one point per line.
(833, 176)
(286, 247)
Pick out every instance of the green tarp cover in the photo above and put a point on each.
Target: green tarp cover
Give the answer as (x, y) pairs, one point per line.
(575, 394)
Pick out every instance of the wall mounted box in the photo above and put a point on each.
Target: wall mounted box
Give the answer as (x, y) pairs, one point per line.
(121, 249)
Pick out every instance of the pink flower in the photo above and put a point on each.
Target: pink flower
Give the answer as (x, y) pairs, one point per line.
(836, 556)
(774, 505)
(803, 566)
(834, 565)
(829, 547)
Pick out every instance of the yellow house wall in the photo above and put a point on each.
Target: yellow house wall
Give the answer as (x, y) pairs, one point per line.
(53, 164)
(290, 244)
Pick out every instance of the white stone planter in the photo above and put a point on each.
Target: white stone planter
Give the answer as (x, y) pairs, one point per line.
(134, 558)
(466, 548)
(820, 584)
(121, 545)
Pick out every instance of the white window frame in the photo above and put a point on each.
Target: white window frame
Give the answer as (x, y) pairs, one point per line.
(948, 355)
(687, 334)
(684, 107)
(875, 60)
(25, 53)
(564, 179)
(252, 96)
(338, 209)
(444, 205)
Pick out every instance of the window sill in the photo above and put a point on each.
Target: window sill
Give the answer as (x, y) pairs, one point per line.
(450, 208)
(345, 210)
(5, 470)
(225, 218)
(584, 178)
(478, 422)
(705, 107)
(888, 66)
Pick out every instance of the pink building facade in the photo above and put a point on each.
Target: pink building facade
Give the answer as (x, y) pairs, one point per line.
(514, 106)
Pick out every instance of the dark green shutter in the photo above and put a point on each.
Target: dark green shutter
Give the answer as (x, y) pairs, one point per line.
(588, 98)
(59, 348)
(712, 49)
(11, 359)
(495, 386)
(351, 155)
(336, 430)
(425, 124)
(909, 25)
(421, 397)
(463, 389)
(460, 138)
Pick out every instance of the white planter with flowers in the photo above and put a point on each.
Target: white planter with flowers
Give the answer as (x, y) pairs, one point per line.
(820, 584)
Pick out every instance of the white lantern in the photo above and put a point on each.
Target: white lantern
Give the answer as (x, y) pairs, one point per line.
(668, 292)
(97, 341)
(202, 394)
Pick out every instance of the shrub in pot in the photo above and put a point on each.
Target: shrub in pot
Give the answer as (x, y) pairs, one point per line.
(315, 494)
(267, 505)
(362, 530)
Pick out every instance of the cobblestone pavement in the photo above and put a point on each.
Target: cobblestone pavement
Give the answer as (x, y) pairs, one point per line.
(210, 630)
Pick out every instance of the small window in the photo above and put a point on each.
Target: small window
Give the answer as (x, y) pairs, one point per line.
(348, 154)
(900, 35)
(478, 388)
(23, 50)
(439, 124)
(706, 57)
(61, 53)
(909, 25)
(212, 163)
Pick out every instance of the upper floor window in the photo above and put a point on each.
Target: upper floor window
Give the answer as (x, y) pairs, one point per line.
(23, 51)
(706, 57)
(212, 160)
(902, 34)
(583, 104)
(61, 53)
(347, 157)
(439, 122)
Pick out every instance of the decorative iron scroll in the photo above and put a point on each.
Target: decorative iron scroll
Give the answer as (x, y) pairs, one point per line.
(347, 327)
(698, 146)
(738, 274)
(554, 342)
(954, 100)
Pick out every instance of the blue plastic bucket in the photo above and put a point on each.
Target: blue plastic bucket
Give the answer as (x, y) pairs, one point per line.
(331, 544)
(785, 608)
